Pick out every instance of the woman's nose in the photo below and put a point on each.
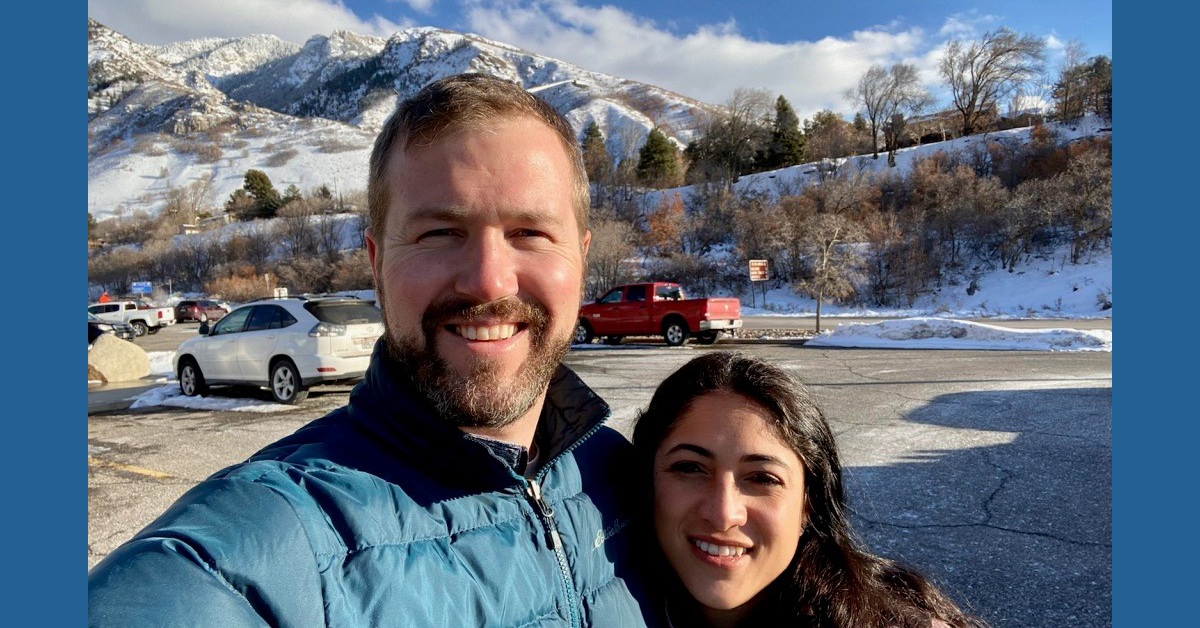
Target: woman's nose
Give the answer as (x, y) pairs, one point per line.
(724, 506)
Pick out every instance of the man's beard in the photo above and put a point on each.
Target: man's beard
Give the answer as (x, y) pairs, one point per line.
(479, 397)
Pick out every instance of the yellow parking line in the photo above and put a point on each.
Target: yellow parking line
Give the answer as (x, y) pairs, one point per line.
(129, 468)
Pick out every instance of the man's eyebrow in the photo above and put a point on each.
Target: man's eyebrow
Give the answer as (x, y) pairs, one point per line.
(454, 214)
(438, 213)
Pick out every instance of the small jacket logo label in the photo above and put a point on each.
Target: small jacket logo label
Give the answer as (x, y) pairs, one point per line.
(608, 533)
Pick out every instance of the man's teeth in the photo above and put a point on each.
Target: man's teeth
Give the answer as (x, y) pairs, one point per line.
(489, 332)
(718, 550)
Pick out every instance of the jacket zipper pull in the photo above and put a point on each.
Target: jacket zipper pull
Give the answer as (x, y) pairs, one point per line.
(553, 541)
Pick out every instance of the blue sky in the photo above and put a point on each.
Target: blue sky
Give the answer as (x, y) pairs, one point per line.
(808, 51)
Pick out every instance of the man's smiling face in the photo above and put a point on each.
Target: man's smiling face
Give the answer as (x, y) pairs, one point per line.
(480, 267)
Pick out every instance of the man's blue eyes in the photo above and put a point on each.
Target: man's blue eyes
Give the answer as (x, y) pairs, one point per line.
(517, 233)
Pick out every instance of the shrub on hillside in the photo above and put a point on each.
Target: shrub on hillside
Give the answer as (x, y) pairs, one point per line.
(281, 157)
(244, 285)
(353, 272)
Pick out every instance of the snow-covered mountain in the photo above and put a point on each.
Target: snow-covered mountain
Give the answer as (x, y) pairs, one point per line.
(164, 117)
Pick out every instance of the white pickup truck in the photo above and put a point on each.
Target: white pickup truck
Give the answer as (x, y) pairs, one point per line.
(143, 317)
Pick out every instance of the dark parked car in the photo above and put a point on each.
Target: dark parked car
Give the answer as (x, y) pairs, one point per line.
(201, 310)
(96, 327)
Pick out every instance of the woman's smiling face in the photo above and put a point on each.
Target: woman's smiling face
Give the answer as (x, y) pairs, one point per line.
(728, 501)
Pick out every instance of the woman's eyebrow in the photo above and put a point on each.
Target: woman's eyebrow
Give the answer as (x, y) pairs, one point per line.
(765, 458)
(696, 449)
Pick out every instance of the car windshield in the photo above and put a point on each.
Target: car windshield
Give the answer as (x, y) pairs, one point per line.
(344, 312)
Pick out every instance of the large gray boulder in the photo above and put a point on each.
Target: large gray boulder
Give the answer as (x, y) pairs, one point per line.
(118, 360)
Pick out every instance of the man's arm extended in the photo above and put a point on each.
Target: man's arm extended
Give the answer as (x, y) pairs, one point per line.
(230, 553)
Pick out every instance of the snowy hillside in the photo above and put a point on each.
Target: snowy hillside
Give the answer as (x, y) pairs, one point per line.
(796, 177)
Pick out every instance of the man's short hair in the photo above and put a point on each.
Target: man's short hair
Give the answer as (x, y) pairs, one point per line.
(465, 102)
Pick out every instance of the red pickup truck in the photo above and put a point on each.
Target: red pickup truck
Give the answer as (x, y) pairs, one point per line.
(650, 309)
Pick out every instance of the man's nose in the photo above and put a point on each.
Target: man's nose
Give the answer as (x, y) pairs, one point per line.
(724, 506)
(488, 269)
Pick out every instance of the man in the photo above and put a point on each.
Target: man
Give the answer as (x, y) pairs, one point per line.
(469, 481)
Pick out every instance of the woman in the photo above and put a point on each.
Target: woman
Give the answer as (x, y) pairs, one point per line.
(749, 512)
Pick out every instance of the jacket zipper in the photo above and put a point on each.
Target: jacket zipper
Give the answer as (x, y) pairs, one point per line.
(533, 491)
(554, 542)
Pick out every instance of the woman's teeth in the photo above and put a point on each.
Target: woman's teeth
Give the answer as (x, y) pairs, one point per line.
(489, 332)
(718, 550)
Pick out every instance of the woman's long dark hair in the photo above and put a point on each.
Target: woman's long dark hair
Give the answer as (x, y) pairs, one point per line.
(832, 581)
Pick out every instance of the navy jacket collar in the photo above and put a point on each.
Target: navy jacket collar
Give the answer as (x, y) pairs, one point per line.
(388, 428)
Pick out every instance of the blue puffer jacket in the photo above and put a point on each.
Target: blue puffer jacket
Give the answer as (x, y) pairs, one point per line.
(381, 515)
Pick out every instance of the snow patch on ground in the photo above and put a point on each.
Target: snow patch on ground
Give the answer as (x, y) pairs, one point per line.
(941, 333)
(170, 396)
(162, 363)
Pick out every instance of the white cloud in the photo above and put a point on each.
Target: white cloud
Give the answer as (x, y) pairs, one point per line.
(424, 6)
(707, 64)
(966, 25)
(165, 21)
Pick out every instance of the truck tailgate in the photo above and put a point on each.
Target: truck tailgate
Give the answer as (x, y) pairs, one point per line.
(722, 308)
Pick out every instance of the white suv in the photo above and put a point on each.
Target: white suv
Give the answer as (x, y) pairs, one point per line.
(285, 345)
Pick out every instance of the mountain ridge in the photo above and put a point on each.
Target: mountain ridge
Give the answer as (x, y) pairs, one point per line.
(163, 117)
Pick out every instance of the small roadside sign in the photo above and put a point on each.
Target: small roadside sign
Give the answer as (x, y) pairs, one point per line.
(141, 287)
(758, 270)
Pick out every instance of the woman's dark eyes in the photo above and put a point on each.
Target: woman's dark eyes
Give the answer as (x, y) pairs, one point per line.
(765, 478)
(685, 466)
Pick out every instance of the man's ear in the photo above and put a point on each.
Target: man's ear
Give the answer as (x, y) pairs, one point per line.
(373, 250)
(587, 242)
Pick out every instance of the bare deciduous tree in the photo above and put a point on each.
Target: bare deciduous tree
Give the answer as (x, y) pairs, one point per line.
(981, 73)
(296, 228)
(834, 265)
(611, 247)
(732, 137)
(889, 96)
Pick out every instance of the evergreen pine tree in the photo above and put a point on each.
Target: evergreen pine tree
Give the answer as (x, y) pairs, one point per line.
(786, 147)
(860, 123)
(266, 199)
(658, 161)
(292, 193)
(241, 205)
(596, 161)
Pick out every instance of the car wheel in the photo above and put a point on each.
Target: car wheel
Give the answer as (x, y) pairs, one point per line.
(708, 337)
(286, 386)
(675, 332)
(613, 340)
(203, 317)
(153, 330)
(583, 333)
(191, 380)
(139, 328)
